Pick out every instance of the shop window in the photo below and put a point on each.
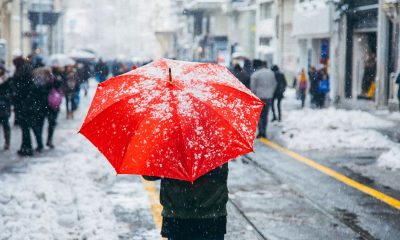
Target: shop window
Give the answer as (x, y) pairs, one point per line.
(265, 41)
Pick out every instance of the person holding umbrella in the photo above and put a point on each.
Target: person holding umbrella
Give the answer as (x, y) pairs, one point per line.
(194, 210)
(175, 121)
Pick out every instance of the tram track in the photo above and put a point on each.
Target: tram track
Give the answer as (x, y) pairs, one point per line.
(344, 218)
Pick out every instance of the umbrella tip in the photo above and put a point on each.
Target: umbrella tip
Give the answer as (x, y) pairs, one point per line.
(170, 76)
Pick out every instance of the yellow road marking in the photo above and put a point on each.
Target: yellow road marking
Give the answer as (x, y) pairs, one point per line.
(154, 198)
(348, 181)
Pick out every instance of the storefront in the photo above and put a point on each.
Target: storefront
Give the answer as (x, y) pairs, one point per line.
(370, 56)
(361, 52)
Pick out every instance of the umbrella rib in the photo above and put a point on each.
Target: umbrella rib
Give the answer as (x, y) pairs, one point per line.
(225, 120)
(181, 137)
(138, 126)
(236, 90)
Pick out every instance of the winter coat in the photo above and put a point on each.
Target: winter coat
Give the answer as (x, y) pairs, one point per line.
(314, 82)
(71, 84)
(205, 198)
(24, 97)
(281, 84)
(43, 80)
(243, 77)
(263, 83)
(303, 82)
(101, 69)
(187, 205)
(5, 99)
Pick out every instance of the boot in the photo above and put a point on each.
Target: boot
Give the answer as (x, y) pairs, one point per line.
(50, 144)
(7, 138)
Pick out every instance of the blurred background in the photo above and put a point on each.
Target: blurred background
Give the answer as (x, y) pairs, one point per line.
(294, 34)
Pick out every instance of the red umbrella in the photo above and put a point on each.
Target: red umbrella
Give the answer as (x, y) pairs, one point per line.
(172, 119)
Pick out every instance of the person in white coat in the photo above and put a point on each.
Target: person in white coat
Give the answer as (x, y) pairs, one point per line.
(263, 84)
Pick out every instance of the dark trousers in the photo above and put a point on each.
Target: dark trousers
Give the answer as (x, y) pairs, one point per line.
(26, 144)
(52, 119)
(279, 101)
(6, 129)
(70, 102)
(303, 98)
(263, 122)
(38, 129)
(222, 237)
(321, 100)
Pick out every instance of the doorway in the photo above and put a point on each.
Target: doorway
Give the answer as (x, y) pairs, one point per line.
(364, 64)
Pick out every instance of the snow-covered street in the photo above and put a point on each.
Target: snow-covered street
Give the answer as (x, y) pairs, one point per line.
(72, 192)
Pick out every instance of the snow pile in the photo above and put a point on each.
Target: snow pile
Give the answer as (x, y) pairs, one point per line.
(59, 198)
(395, 116)
(390, 159)
(334, 128)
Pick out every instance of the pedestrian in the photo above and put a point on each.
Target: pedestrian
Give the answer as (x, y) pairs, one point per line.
(263, 84)
(70, 89)
(314, 79)
(5, 106)
(23, 101)
(240, 74)
(42, 78)
(324, 88)
(278, 94)
(83, 69)
(54, 101)
(101, 70)
(197, 210)
(302, 88)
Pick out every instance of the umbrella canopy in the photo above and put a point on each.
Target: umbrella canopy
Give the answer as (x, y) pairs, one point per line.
(172, 119)
(83, 55)
(59, 60)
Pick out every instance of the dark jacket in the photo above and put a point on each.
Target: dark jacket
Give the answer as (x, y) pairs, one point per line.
(281, 84)
(243, 77)
(71, 84)
(43, 80)
(203, 202)
(101, 69)
(5, 99)
(24, 96)
(314, 82)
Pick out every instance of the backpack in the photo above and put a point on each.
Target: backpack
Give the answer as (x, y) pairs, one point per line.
(54, 99)
(324, 86)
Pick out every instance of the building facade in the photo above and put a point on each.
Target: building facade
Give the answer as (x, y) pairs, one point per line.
(30, 27)
(367, 47)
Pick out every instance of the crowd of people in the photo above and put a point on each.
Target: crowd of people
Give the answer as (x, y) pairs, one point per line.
(316, 83)
(269, 84)
(35, 92)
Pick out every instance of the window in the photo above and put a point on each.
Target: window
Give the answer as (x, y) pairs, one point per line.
(265, 41)
(266, 10)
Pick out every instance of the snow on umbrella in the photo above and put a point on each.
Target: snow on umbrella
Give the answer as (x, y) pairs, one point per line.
(172, 119)
(59, 60)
